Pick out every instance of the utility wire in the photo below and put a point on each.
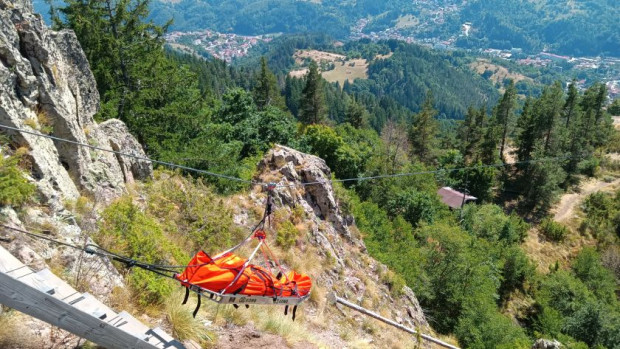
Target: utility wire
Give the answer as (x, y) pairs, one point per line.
(443, 170)
(165, 163)
(303, 184)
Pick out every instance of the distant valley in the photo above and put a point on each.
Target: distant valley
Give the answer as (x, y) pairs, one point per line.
(569, 27)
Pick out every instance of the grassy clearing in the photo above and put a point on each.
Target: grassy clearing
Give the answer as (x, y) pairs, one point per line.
(499, 73)
(340, 68)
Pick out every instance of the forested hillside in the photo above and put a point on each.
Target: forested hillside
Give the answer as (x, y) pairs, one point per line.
(399, 81)
(468, 267)
(580, 27)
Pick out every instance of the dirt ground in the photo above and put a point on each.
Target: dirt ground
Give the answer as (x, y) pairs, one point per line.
(566, 208)
(247, 337)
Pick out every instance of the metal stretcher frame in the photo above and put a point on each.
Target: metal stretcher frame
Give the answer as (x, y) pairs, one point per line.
(245, 299)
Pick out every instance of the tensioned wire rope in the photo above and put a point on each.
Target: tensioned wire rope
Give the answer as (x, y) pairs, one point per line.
(251, 182)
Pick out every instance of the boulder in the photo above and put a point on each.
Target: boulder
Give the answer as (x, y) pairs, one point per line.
(547, 344)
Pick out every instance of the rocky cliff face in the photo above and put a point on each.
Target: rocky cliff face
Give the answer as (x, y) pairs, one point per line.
(354, 274)
(46, 87)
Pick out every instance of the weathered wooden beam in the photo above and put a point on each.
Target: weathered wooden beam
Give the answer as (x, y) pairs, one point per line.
(28, 300)
(334, 299)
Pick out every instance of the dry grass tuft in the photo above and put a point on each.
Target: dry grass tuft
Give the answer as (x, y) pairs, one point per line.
(183, 325)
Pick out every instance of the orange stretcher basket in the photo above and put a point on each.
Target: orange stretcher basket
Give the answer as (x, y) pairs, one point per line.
(223, 276)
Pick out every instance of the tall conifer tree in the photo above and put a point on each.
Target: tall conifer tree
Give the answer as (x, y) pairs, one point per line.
(312, 106)
(423, 131)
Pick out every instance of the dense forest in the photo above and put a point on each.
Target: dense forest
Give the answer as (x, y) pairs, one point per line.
(394, 83)
(466, 266)
(582, 27)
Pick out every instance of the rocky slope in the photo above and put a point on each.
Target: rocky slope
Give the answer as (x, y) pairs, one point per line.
(46, 87)
(330, 249)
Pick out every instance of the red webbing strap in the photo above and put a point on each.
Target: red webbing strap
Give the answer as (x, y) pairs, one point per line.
(273, 257)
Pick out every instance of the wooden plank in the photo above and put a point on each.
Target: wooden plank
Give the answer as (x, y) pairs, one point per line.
(8, 262)
(34, 280)
(21, 297)
(130, 324)
(93, 306)
(62, 290)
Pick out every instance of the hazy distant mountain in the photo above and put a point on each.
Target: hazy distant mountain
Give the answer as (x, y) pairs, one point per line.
(577, 27)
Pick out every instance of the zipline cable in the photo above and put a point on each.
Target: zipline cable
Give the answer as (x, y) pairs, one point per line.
(443, 170)
(159, 162)
(303, 184)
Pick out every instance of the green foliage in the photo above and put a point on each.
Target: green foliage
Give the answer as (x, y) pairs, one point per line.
(256, 130)
(602, 216)
(415, 207)
(15, 189)
(191, 214)
(580, 303)
(553, 230)
(504, 114)
(286, 234)
(312, 109)
(588, 268)
(517, 270)
(491, 223)
(126, 230)
(266, 91)
(483, 327)
(423, 132)
(414, 70)
(614, 107)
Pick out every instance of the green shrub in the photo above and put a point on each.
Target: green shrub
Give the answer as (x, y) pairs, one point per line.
(191, 213)
(286, 234)
(394, 282)
(552, 230)
(15, 189)
(590, 167)
(126, 230)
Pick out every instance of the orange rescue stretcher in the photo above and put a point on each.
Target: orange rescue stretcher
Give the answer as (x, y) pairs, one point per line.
(230, 279)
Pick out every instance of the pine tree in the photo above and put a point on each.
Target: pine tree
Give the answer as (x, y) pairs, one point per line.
(356, 115)
(528, 132)
(423, 132)
(570, 106)
(293, 88)
(157, 98)
(504, 114)
(266, 91)
(472, 133)
(312, 105)
(122, 48)
(549, 109)
(488, 148)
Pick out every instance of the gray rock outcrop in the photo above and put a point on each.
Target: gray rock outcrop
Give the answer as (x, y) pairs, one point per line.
(547, 344)
(318, 197)
(330, 231)
(46, 87)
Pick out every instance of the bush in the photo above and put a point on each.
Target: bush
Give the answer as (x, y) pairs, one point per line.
(15, 189)
(590, 167)
(491, 223)
(286, 234)
(394, 282)
(128, 231)
(552, 230)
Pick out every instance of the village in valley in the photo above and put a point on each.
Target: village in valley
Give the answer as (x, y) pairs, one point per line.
(224, 46)
(412, 29)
